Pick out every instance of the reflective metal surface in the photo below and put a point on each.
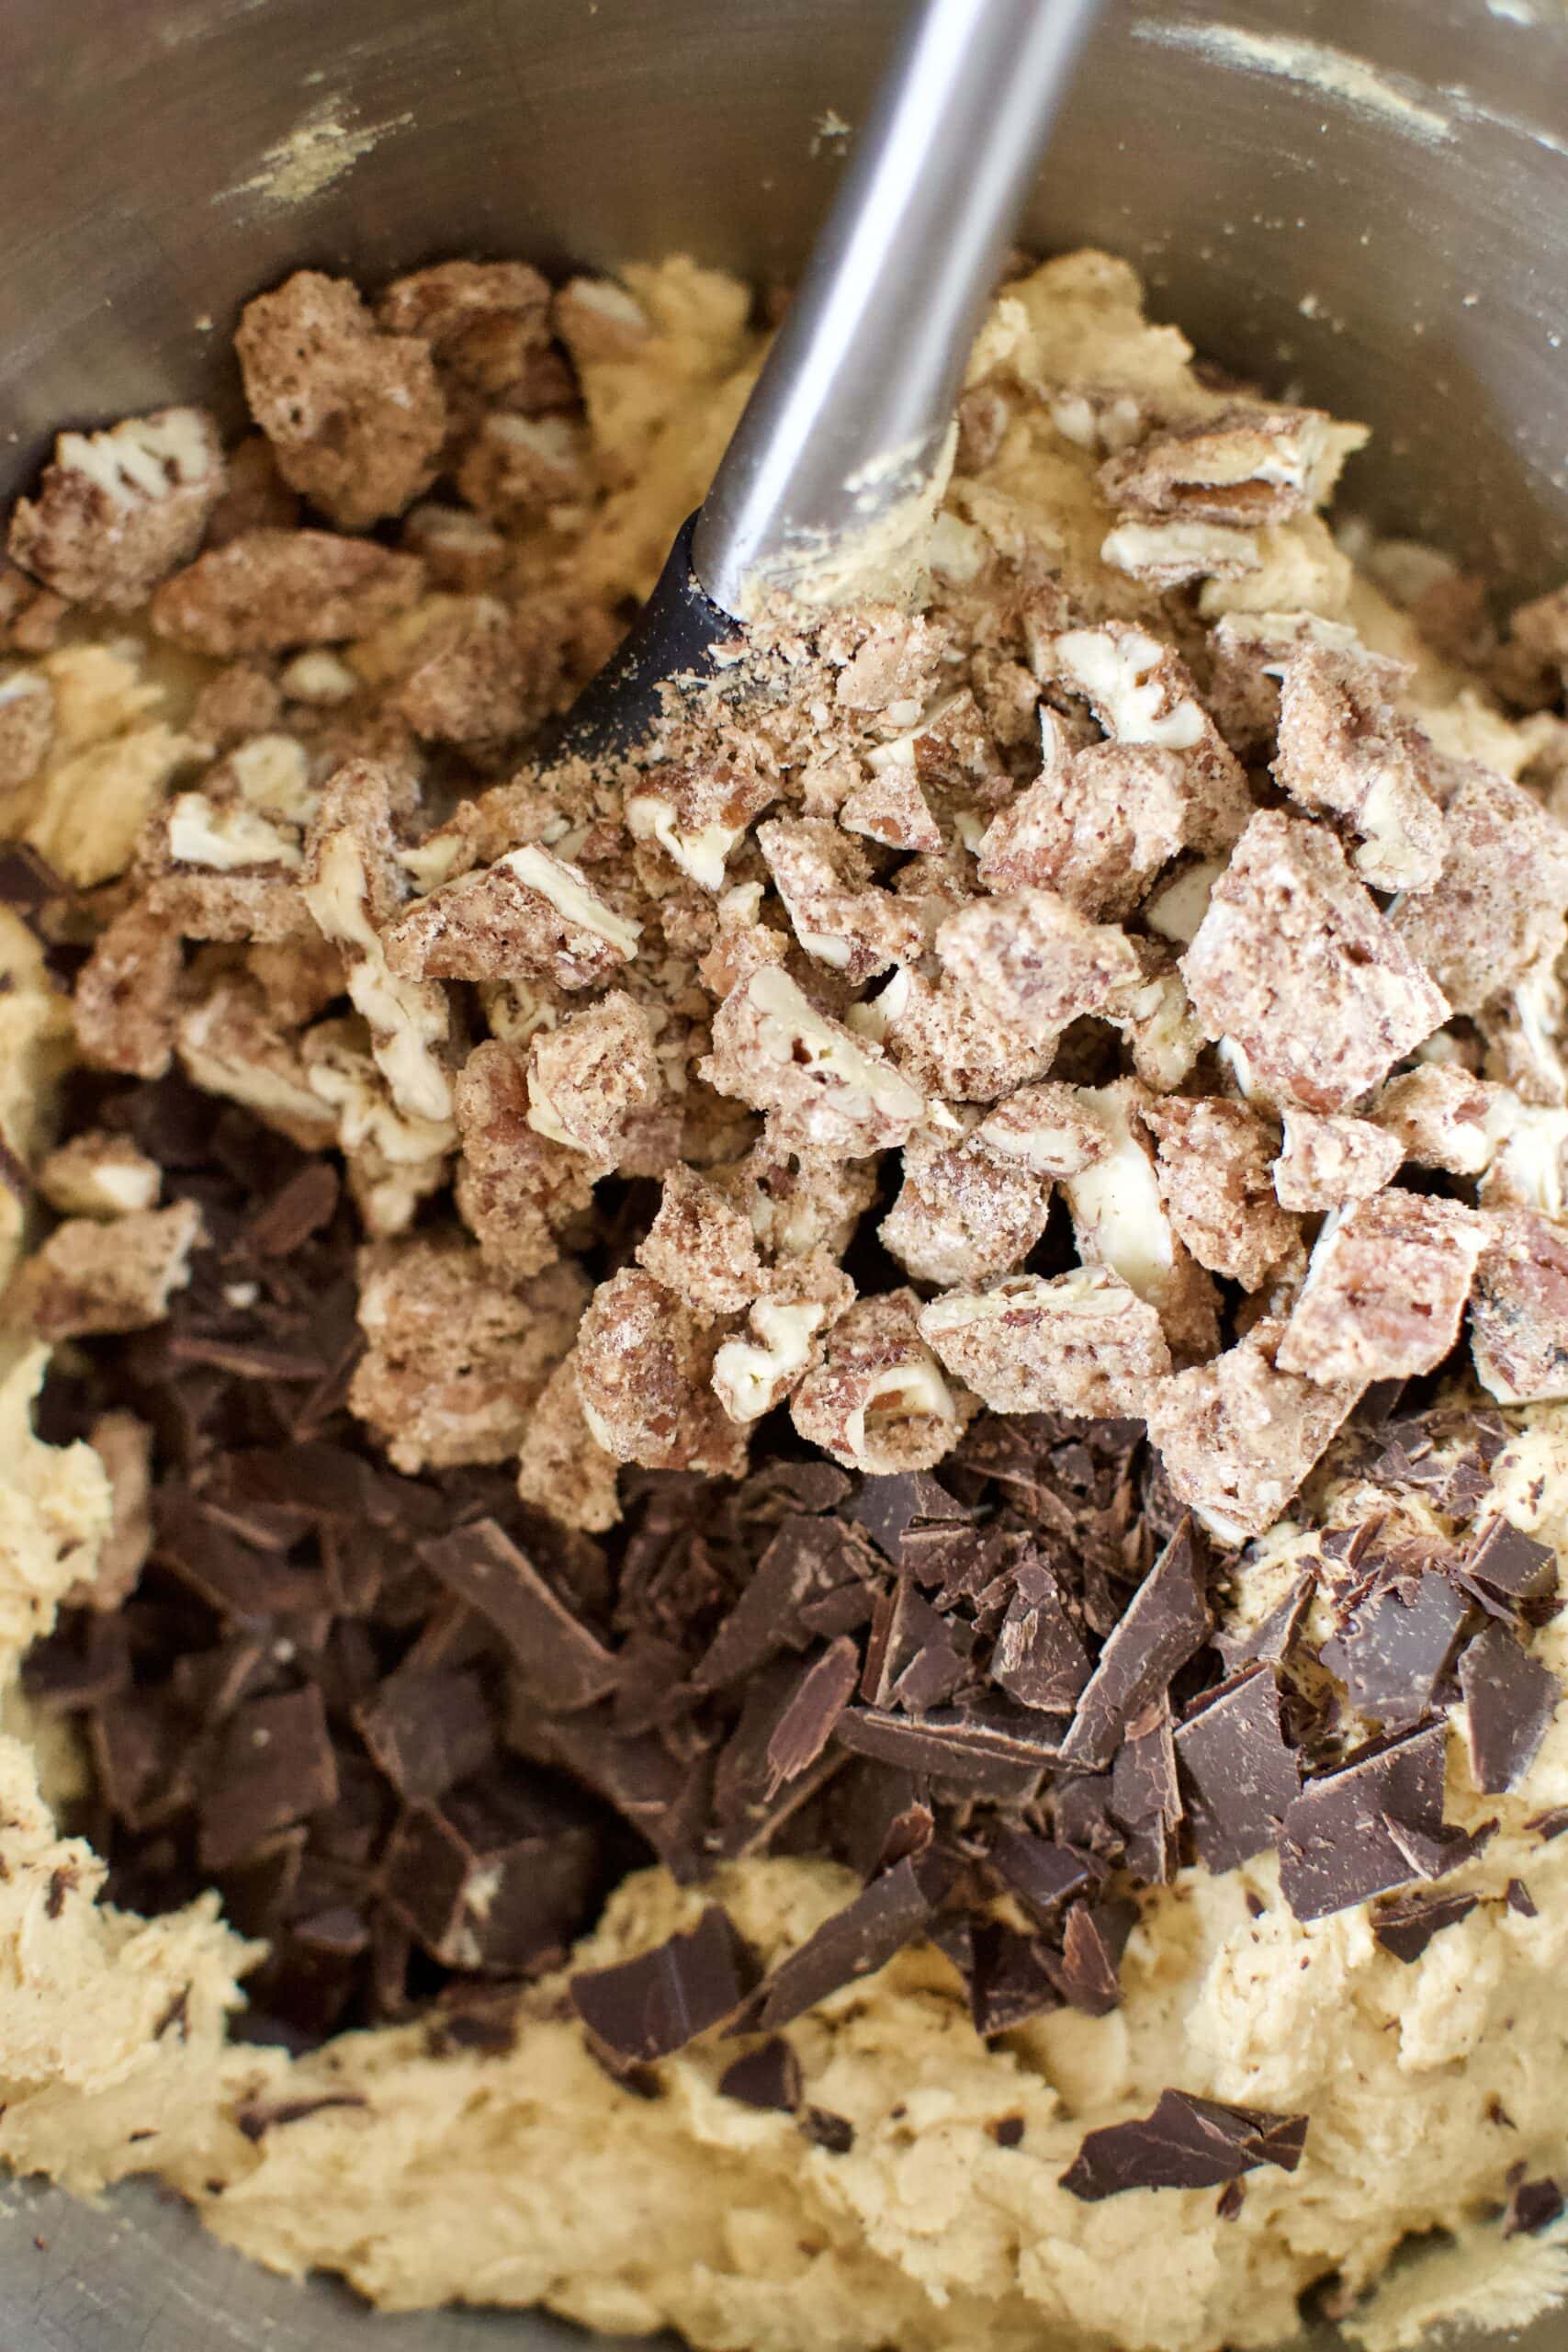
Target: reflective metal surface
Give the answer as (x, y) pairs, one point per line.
(1393, 239)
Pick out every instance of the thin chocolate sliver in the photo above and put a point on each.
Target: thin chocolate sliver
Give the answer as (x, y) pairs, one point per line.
(825, 2130)
(855, 1942)
(555, 1652)
(1521, 1900)
(301, 1208)
(1510, 1698)
(768, 2077)
(649, 2006)
(275, 1766)
(1507, 1570)
(1407, 1927)
(1039, 1658)
(1187, 2142)
(1088, 1973)
(1044, 1876)
(1550, 1827)
(1394, 1648)
(1009, 1980)
(889, 1507)
(1338, 1844)
(256, 2118)
(1145, 1797)
(1533, 2207)
(1168, 1621)
(806, 1724)
(1241, 1777)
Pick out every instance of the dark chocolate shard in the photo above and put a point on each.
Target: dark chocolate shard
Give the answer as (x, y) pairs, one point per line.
(1270, 1642)
(1146, 1798)
(274, 1765)
(649, 2006)
(428, 1729)
(750, 1801)
(1407, 1927)
(1008, 2131)
(1395, 1647)
(1508, 1570)
(1187, 2142)
(768, 2077)
(825, 2130)
(818, 1699)
(856, 1941)
(246, 1582)
(256, 2118)
(946, 1746)
(1241, 1777)
(1521, 1900)
(807, 1558)
(902, 1625)
(497, 1880)
(555, 1652)
(82, 1664)
(1550, 1827)
(1040, 1658)
(299, 1208)
(1338, 1844)
(1166, 1624)
(889, 1507)
(1043, 1876)
(1510, 1698)
(1009, 1981)
(1087, 1975)
(1533, 2207)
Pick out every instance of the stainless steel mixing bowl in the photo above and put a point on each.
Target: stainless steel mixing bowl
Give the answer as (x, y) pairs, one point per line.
(1367, 198)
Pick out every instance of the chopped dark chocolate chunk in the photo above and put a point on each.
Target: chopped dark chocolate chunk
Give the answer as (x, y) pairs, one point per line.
(1166, 1624)
(1008, 2131)
(554, 1650)
(1087, 1975)
(1145, 1797)
(1040, 1658)
(1270, 1642)
(949, 1747)
(1507, 1570)
(1009, 1980)
(1394, 1647)
(819, 1698)
(1534, 2206)
(825, 2130)
(1347, 1836)
(1510, 1699)
(428, 1729)
(768, 2077)
(1043, 1876)
(1550, 1827)
(1520, 1899)
(1240, 1775)
(855, 1942)
(497, 1879)
(1405, 1928)
(647, 2007)
(1187, 2142)
(299, 1208)
(889, 1507)
(274, 1765)
(807, 1557)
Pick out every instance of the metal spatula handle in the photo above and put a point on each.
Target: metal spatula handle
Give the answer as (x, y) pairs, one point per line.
(854, 403)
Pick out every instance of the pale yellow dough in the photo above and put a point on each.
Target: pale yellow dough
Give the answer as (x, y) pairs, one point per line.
(532, 2177)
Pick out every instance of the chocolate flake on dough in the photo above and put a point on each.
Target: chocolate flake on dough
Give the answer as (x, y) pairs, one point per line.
(649, 2006)
(1241, 1776)
(855, 1942)
(1167, 1622)
(768, 2077)
(1405, 1928)
(1510, 1699)
(1187, 2142)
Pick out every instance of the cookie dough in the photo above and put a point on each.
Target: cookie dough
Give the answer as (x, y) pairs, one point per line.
(923, 2204)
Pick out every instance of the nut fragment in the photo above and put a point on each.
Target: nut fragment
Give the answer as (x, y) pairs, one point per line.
(879, 1402)
(1499, 904)
(231, 1045)
(1035, 960)
(1248, 652)
(530, 912)
(268, 590)
(948, 1041)
(516, 1191)
(1141, 692)
(1385, 1290)
(1330, 1159)
(701, 1247)
(590, 1075)
(1096, 827)
(1293, 962)
(1345, 748)
(1214, 1177)
(119, 510)
(1239, 1435)
(1246, 466)
(824, 1088)
(754, 1376)
(889, 807)
(1518, 1316)
(456, 1357)
(394, 1162)
(799, 1202)
(355, 418)
(562, 1467)
(964, 1213)
(27, 725)
(351, 884)
(644, 1369)
(839, 917)
(1082, 1342)
(698, 810)
(94, 1277)
(1047, 1128)
(1120, 1221)
(1441, 1117)
(125, 999)
(101, 1175)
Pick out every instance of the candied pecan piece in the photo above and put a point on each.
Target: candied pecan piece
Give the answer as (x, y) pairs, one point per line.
(1385, 1289)
(217, 869)
(701, 1247)
(562, 1467)
(126, 1003)
(1141, 692)
(92, 1276)
(1441, 1117)
(456, 1356)
(1169, 554)
(516, 1191)
(1295, 965)
(1497, 907)
(355, 417)
(697, 810)
(802, 1201)
(517, 468)
(837, 916)
(948, 1041)
(1518, 1315)
(1247, 654)
(877, 1402)
(1047, 1128)
(1120, 1221)
(824, 1088)
(889, 807)
(475, 679)
(590, 1075)
(459, 551)
(352, 883)
(394, 1162)
(485, 321)
(1344, 748)
(119, 510)
(1096, 827)
(1082, 1343)
(1238, 1436)
(530, 912)
(964, 1213)
(754, 1375)
(1035, 960)
(255, 496)
(1216, 1180)
(1247, 465)
(27, 725)
(267, 590)
(100, 1175)
(244, 699)
(231, 1045)
(598, 320)
(1330, 1159)
(644, 1368)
